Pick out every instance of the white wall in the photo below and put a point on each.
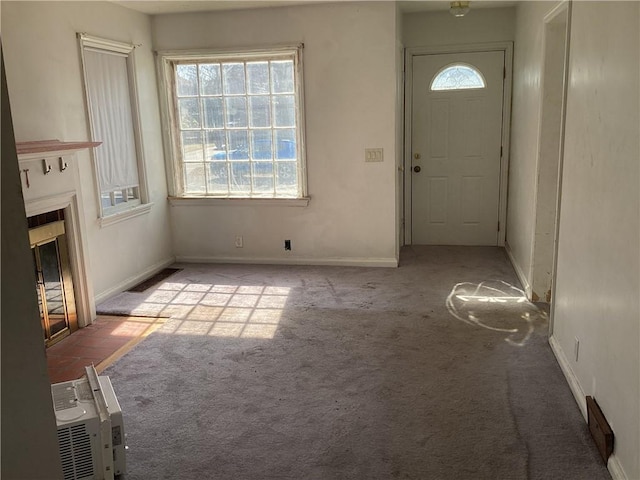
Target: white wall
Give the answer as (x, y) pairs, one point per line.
(484, 25)
(46, 94)
(598, 275)
(350, 97)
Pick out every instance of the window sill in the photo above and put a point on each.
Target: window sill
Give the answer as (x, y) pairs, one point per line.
(238, 202)
(125, 215)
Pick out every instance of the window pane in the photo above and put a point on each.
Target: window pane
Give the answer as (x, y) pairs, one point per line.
(194, 177)
(236, 111)
(240, 179)
(458, 77)
(260, 110)
(233, 78)
(287, 181)
(213, 113)
(118, 197)
(187, 80)
(261, 145)
(218, 178)
(210, 79)
(215, 147)
(105, 200)
(263, 177)
(189, 113)
(284, 108)
(192, 146)
(258, 73)
(286, 144)
(238, 145)
(282, 76)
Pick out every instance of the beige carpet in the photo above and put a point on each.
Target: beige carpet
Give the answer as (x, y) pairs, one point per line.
(439, 369)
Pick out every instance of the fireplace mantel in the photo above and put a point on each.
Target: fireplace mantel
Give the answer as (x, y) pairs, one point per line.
(50, 148)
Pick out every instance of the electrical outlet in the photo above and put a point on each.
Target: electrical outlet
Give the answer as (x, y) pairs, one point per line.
(576, 348)
(239, 242)
(287, 244)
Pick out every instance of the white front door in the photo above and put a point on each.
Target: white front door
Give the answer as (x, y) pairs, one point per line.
(456, 139)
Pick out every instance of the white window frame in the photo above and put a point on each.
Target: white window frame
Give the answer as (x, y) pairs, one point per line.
(166, 62)
(473, 68)
(141, 204)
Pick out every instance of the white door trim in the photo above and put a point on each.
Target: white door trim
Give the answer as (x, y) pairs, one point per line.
(507, 48)
(564, 7)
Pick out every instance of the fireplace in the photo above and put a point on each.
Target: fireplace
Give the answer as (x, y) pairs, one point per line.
(54, 279)
(57, 234)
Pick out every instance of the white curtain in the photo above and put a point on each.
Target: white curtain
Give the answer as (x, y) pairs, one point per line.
(108, 89)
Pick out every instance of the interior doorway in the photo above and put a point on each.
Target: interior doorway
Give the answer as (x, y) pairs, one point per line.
(550, 152)
(54, 281)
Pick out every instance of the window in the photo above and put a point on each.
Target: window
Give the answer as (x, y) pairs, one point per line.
(236, 123)
(113, 118)
(457, 77)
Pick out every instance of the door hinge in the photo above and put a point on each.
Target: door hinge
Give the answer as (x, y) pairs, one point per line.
(500, 151)
(504, 72)
(498, 226)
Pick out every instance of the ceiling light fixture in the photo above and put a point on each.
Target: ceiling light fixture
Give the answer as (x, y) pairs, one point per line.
(459, 9)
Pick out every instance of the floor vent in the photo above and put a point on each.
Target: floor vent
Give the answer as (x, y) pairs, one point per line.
(154, 280)
(600, 429)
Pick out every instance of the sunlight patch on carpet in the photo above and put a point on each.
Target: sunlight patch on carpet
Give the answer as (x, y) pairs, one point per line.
(240, 311)
(497, 306)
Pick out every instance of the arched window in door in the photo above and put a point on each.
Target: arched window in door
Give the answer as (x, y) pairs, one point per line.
(459, 76)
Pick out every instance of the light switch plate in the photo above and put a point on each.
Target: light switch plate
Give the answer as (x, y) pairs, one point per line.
(373, 155)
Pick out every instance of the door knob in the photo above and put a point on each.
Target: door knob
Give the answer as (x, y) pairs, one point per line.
(417, 169)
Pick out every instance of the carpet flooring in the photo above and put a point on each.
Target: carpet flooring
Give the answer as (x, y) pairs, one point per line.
(154, 280)
(439, 369)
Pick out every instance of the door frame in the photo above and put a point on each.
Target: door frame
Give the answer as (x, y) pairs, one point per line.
(507, 48)
(564, 8)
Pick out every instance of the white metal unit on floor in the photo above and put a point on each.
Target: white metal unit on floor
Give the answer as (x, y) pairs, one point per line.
(90, 428)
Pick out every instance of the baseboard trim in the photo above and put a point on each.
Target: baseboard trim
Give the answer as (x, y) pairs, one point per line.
(615, 468)
(613, 465)
(134, 280)
(340, 262)
(519, 273)
(572, 379)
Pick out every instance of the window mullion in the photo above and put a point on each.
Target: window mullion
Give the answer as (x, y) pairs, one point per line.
(205, 169)
(274, 145)
(249, 129)
(224, 127)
